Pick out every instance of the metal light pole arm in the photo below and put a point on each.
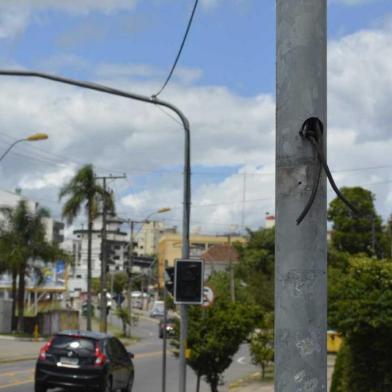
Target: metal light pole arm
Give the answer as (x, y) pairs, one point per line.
(137, 97)
(10, 148)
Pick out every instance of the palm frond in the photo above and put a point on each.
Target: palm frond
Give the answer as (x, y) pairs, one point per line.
(72, 207)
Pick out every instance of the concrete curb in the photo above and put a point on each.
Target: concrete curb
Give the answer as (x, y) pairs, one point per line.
(20, 339)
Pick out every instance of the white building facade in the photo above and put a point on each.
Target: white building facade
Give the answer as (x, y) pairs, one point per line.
(117, 251)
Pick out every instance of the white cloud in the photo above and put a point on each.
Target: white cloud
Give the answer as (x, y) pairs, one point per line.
(360, 83)
(228, 131)
(13, 20)
(16, 14)
(209, 4)
(51, 179)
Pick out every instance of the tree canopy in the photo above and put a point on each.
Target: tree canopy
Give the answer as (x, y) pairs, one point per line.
(215, 333)
(255, 270)
(22, 242)
(352, 232)
(360, 300)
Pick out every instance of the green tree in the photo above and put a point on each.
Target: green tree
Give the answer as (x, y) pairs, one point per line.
(352, 232)
(83, 192)
(22, 243)
(255, 270)
(126, 318)
(360, 308)
(215, 333)
(262, 343)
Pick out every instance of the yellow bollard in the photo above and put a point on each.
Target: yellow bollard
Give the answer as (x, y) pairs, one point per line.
(36, 333)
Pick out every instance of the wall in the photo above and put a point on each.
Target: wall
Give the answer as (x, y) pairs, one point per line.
(5, 315)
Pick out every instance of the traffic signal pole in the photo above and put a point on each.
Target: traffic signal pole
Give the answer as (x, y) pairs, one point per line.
(301, 250)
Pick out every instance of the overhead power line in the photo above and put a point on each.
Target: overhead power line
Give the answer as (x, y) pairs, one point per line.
(180, 50)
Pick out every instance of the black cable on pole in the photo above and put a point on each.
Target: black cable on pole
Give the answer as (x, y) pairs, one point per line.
(312, 130)
(179, 51)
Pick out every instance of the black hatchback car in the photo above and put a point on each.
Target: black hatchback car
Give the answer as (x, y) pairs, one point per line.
(82, 359)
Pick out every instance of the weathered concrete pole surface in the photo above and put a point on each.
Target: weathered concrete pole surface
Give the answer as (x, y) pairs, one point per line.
(301, 251)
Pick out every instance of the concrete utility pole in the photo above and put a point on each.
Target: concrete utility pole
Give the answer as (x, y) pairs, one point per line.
(104, 256)
(301, 251)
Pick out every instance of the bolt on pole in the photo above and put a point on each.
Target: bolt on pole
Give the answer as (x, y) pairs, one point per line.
(301, 251)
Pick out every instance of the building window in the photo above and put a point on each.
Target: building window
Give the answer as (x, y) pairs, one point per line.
(78, 276)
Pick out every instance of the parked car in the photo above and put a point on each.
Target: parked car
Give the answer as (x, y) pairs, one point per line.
(83, 359)
(157, 309)
(170, 325)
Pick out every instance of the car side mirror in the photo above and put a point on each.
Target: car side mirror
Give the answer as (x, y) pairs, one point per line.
(131, 355)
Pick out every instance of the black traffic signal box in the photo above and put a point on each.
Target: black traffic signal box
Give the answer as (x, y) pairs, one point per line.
(169, 279)
(188, 282)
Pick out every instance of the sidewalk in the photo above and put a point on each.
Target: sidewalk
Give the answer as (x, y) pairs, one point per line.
(257, 386)
(16, 350)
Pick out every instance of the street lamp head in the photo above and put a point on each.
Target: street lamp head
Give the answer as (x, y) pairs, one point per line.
(164, 209)
(37, 137)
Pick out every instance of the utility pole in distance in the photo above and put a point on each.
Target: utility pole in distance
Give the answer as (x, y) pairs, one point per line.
(301, 250)
(104, 256)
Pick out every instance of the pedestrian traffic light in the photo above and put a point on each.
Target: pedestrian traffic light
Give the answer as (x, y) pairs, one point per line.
(169, 279)
(188, 282)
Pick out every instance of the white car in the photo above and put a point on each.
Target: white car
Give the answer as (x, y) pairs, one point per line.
(157, 309)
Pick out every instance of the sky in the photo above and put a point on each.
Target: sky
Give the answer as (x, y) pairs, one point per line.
(224, 83)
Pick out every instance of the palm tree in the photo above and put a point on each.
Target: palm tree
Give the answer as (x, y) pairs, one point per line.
(84, 192)
(22, 242)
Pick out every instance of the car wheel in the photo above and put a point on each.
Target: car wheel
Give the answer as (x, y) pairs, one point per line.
(129, 386)
(108, 386)
(40, 387)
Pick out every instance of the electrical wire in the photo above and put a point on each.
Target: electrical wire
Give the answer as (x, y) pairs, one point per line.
(179, 51)
(312, 130)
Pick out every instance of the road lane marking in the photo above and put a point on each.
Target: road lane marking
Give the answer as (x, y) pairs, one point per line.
(241, 360)
(150, 354)
(14, 372)
(15, 384)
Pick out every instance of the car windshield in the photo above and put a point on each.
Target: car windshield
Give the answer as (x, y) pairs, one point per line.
(74, 343)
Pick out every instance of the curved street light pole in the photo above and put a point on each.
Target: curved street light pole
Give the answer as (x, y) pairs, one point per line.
(187, 179)
(35, 137)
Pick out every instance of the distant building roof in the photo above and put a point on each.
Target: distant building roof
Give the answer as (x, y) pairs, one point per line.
(220, 253)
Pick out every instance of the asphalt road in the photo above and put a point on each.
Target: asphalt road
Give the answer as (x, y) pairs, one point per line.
(18, 377)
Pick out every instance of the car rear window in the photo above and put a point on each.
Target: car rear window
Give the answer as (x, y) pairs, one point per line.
(74, 343)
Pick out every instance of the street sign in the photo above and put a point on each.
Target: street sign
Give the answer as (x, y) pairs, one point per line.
(208, 297)
(188, 282)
